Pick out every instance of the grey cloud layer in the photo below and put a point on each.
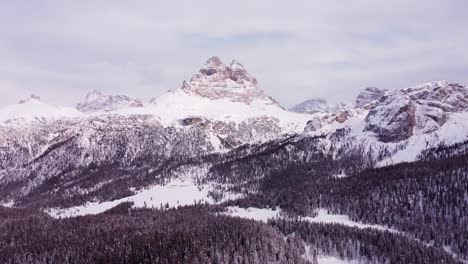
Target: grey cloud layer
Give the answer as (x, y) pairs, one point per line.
(297, 49)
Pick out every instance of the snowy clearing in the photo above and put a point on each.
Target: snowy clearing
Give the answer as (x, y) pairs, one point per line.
(176, 193)
(263, 214)
(334, 260)
(259, 214)
(326, 218)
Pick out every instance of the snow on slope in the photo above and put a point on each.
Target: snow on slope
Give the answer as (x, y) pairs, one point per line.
(34, 109)
(334, 260)
(175, 105)
(220, 92)
(97, 101)
(263, 214)
(416, 110)
(176, 193)
(259, 214)
(319, 105)
(454, 130)
(327, 218)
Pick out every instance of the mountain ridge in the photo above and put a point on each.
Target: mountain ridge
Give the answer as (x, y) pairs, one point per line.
(187, 135)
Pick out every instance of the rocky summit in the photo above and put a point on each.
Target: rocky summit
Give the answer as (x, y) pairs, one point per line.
(369, 97)
(217, 80)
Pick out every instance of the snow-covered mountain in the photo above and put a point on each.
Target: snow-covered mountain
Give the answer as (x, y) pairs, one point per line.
(112, 144)
(318, 105)
(417, 110)
(97, 101)
(116, 145)
(402, 124)
(33, 109)
(216, 93)
(221, 93)
(232, 82)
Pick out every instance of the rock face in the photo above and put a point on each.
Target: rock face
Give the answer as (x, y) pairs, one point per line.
(416, 110)
(369, 97)
(318, 105)
(219, 81)
(96, 101)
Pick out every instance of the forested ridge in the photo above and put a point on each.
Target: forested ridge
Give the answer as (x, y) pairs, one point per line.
(185, 235)
(426, 201)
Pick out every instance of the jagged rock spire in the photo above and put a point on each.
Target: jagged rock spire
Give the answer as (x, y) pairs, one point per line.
(216, 80)
(214, 63)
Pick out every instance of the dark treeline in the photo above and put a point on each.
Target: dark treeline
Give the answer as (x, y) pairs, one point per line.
(364, 245)
(445, 151)
(425, 199)
(196, 234)
(186, 235)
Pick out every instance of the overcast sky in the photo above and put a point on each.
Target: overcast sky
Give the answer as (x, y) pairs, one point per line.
(61, 49)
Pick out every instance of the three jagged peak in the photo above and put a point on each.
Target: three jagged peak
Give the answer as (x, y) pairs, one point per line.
(216, 80)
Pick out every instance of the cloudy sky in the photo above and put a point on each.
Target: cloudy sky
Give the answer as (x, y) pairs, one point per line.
(62, 49)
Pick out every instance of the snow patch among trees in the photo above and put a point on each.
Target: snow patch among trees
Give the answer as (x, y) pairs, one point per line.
(325, 217)
(176, 193)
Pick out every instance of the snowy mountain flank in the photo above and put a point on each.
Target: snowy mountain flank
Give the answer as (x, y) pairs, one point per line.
(32, 109)
(318, 105)
(118, 148)
(96, 101)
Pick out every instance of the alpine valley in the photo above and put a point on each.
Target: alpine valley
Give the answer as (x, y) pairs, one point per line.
(223, 173)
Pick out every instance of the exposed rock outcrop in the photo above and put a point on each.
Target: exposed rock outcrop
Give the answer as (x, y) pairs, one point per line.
(421, 109)
(369, 97)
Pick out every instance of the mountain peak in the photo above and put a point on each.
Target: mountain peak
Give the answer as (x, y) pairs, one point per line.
(236, 65)
(94, 94)
(32, 97)
(368, 97)
(96, 101)
(214, 63)
(219, 81)
(318, 105)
